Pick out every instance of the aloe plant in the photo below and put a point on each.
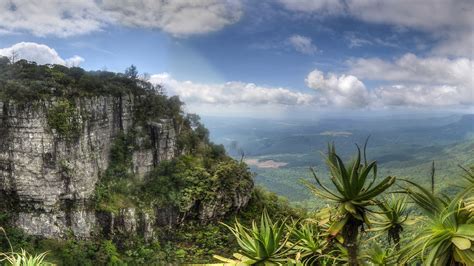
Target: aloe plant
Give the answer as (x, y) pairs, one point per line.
(391, 219)
(448, 237)
(354, 192)
(310, 242)
(263, 244)
(377, 255)
(22, 258)
(468, 176)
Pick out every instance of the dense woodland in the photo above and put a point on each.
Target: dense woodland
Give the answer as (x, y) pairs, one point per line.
(368, 220)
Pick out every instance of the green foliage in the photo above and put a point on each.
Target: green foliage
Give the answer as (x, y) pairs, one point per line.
(310, 242)
(353, 195)
(185, 180)
(278, 206)
(78, 252)
(380, 256)
(21, 258)
(354, 192)
(392, 218)
(117, 184)
(262, 244)
(448, 236)
(63, 119)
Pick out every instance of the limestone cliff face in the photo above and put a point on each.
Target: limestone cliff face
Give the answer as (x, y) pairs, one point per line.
(48, 182)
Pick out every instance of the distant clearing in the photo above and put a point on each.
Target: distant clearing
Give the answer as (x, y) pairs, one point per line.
(336, 133)
(265, 164)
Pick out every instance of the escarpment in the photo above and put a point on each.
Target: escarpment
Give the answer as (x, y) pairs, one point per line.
(90, 165)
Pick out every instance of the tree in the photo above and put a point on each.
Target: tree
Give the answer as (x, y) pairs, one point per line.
(14, 56)
(131, 72)
(353, 195)
(392, 218)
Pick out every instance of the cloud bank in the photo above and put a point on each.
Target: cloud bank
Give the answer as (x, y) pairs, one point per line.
(68, 18)
(409, 81)
(450, 22)
(39, 53)
(230, 93)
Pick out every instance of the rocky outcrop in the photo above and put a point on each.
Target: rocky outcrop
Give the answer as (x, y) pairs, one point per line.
(47, 182)
(48, 179)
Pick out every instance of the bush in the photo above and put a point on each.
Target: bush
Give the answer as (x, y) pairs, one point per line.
(63, 118)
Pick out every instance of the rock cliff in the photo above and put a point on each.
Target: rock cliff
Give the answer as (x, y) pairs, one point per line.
(48, 178)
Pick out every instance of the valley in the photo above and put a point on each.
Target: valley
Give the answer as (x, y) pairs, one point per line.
(281, 152)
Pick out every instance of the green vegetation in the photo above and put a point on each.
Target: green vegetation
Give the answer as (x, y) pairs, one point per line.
(392, 218)
(353, 195)
(201, 176)
(352, 208)
(449, 234)
(261, 244)
(63, 119)
(25, 82)
(192, 243)
(446, 235)
(22, 258)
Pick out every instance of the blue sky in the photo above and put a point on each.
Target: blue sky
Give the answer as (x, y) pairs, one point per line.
(265, 58)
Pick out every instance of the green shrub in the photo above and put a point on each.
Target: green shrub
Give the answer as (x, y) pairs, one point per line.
(64, 119)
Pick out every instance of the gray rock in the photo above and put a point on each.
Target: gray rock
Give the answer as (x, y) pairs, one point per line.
(50, 180)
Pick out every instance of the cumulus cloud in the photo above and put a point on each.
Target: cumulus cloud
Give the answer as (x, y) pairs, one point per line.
(181, 17)
(341, 91)
(50, 17)
(230, 93)
(39, 53)
(436, 81)
(302, 44)
(420, 96)
(412, 68)
(406, 90)
(67, 18)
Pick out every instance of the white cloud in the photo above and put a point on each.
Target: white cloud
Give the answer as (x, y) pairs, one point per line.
(341, 91)
(411, 68)
(50, 17)
(74, 61)
(302, 44)
(432, 15)
(320, 6)
(436, 81)
(39, 53)
(420, 96)
(179, 17)
(230, 93)
(448, 21)
(355, 41)
(67, 18)
(411, 87)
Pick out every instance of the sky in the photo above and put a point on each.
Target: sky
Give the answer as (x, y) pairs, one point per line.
(264, 58)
